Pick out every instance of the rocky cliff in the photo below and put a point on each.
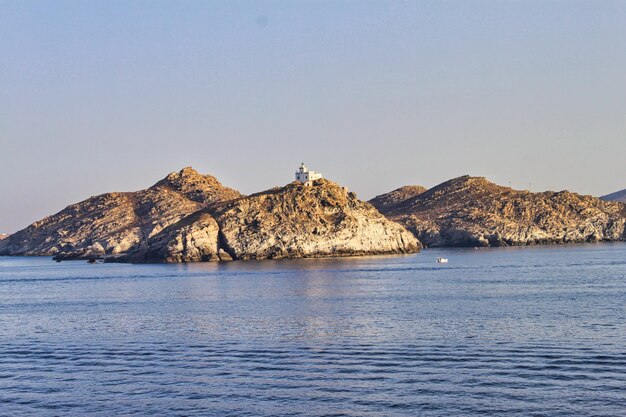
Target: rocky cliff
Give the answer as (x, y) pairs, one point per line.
(115, 223)
(191, 217)
(195, 238)
(617, 196)
(471, 211)
(295, 221)
(300, 221)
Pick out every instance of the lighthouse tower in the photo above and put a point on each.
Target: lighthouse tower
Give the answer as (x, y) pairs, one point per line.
(305, 176)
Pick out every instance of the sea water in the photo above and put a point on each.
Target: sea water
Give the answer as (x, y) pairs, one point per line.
(526, 331)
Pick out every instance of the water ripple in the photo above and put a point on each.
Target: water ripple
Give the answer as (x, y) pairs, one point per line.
(512, 332)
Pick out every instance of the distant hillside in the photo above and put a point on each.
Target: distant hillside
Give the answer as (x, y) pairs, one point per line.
(471, 211)
(393, 199)
(617, 196)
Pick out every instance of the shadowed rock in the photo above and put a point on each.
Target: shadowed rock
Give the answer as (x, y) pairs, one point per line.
(391, 200)
(617, 196)
(193, 239)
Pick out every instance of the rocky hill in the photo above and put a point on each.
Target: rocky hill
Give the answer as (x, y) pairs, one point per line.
(471, 211)
(195, 238)
(617, 196)
(299, 221)
(294, 221)
(191, 217)
(387, 202)
(115, 223)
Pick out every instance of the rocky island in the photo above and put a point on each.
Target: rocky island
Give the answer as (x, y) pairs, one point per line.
(471, 211)
(114, 223)
(297, 220)
(191, 217)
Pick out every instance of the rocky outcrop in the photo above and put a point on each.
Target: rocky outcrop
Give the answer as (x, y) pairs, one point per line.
(204, 189)
(617, 196)
(116, 223)
(193, 239)
(295, 221)
(189, 217)
(3, 236)
(389, 201)
(471, 211)
(299, 221)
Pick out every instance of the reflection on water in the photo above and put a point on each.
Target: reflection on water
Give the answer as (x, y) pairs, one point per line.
(511, 331)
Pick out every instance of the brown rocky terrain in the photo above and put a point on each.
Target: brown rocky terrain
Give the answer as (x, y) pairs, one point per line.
(191, 217)
(294, 221)
(114, 223)
(300, 221)
(471, 211)
(387, 202)
(195, 238)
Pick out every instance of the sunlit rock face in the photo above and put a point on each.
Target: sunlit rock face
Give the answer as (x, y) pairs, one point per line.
(188, 217)
(116, 223)
(471, 211)
(193, 239)
(297, 221)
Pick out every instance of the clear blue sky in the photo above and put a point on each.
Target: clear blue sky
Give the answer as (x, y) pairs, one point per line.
(100, 96)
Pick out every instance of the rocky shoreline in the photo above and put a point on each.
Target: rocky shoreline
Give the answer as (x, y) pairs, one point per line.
(471, 211)
(189, 217)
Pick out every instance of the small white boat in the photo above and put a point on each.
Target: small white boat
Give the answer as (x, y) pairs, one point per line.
(442, 260)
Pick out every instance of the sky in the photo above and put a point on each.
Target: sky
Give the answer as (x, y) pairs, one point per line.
(100, 96)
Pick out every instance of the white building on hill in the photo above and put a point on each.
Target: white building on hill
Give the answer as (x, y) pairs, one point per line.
(305, 176)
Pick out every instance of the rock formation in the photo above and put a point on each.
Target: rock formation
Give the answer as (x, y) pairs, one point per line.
(471, 211)
(115, 223)
(190, 217)
(387, 202)
(193, 239)
(295, 221)
(617, 196)
(301, 221)
(3, 236)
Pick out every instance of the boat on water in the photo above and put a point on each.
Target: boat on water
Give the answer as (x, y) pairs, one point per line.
(442, 260)
(95, 260)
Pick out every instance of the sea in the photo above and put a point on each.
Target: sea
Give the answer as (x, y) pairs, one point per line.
(524, 331)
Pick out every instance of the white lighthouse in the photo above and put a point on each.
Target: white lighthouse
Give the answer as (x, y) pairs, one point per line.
(305, 176)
